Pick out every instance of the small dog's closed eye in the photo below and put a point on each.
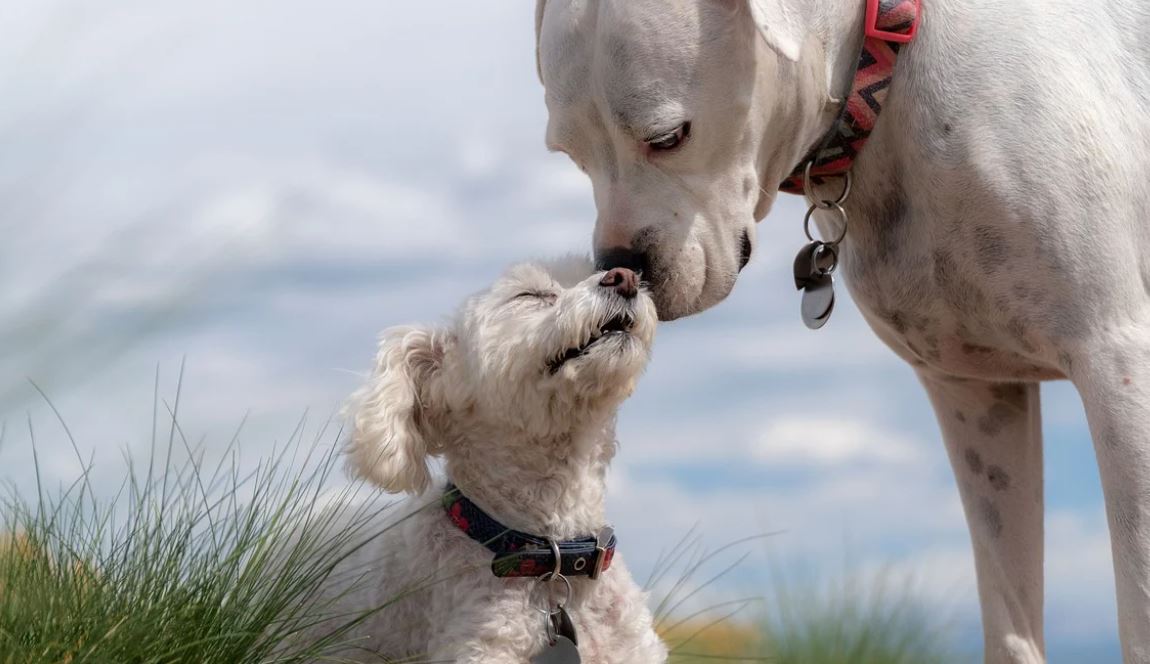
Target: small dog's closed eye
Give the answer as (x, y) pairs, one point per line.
(518, 396)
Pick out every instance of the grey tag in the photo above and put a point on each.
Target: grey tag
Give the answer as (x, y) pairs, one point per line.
(805, 264)
(818, 301)
(563, 625)
(562, 651)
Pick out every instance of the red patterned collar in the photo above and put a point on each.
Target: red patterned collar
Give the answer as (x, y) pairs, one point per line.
(889, 24)
(521, 554)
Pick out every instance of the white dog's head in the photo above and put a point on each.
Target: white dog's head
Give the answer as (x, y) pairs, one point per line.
(547, 348)
(680, 111)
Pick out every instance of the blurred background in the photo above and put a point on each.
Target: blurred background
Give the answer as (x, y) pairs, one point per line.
(261, 186)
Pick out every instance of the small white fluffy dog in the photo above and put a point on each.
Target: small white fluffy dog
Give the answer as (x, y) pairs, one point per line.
(518, 395)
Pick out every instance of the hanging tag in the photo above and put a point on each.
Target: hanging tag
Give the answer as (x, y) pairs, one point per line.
(812, 270)
(563, 625)
(818, 302)
(805, 264)
(562, 642)
(562, 651)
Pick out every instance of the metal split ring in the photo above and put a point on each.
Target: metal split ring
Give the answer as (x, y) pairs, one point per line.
(842, 215)
(834, 252)
(553, 608)
(809, 192)
(550, 578)
(557, 571)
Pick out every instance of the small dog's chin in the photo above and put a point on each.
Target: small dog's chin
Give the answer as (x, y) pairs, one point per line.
(612, 361)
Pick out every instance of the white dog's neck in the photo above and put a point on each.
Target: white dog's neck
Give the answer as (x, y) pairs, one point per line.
(819, 81)
(551, 487)
(838, 27)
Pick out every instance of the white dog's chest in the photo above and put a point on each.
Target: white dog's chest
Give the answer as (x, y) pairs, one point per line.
(963, 303)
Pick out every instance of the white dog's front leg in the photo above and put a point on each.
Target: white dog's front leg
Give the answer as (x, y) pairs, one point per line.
(1113, 376)
(994, 438)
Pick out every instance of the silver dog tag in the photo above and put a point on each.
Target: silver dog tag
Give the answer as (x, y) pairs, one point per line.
(805, 265)
(563, 625)
(562, 651)
(562, 646)
(818, 302)
(813, 267)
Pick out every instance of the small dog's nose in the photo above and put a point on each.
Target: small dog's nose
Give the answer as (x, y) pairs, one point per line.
(622, 281)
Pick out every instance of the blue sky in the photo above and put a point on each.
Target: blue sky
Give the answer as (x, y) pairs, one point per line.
(262, 186)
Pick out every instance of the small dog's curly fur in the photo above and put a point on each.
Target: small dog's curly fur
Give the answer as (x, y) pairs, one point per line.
(518, 395)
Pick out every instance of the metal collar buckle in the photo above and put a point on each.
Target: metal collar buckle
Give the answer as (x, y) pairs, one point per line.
(874, 32)
(601, 542)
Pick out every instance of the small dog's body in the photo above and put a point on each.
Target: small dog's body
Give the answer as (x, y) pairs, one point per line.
(518, 396)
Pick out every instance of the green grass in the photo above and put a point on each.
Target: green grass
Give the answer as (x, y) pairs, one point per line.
(872, 621)
(861, 620)
(854, 622)
(184, 563)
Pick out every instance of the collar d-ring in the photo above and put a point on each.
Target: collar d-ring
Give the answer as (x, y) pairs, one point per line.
(554, 608)
(809, 192)
(558, 559)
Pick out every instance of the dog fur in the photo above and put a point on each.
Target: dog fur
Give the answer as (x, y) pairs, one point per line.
(998, 230)
(524, 438)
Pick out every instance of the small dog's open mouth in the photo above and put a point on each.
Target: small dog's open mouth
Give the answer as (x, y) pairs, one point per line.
(620, 324)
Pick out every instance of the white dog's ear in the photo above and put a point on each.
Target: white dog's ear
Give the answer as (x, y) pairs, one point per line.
(540, 6)
(390, 440)
(781, 24)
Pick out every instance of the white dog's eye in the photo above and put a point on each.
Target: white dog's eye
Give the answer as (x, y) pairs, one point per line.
(542, 296)
(670, 140)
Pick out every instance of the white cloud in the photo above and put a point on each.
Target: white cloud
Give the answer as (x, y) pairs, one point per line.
(1079, 575)
(831, 442)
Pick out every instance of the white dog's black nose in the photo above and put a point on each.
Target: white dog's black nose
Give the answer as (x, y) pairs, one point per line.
(622, 281)
(612, 257)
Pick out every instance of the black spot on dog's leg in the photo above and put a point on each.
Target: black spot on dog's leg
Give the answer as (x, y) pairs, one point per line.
(999, 478)
(960, 416)
(973, 461)
(996, 418)
(991, 517)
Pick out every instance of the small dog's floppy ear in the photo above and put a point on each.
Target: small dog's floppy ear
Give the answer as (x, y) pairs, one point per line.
(780, 22)
(390, 441)
(540, 7)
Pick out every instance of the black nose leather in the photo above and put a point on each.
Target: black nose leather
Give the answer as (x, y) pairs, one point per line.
(622, 281)
(745, 251)
(613, 257)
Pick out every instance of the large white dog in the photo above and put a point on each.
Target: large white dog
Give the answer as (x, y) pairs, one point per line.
(998, 236)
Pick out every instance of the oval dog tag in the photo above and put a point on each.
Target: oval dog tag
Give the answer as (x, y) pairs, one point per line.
(563, 625)
(818, 301)
(804, 266)
(563, 651)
